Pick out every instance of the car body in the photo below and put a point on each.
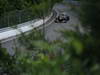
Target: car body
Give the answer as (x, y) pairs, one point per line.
(62, 18)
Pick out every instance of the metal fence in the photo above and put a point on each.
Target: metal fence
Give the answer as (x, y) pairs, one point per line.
(16, 17)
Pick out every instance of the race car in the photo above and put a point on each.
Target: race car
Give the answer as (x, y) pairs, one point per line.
(62, 18)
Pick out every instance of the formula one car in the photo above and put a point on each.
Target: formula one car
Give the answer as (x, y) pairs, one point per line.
(62, 18)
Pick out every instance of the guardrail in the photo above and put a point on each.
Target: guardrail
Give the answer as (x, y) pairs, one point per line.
(10, 33)
(19, 25)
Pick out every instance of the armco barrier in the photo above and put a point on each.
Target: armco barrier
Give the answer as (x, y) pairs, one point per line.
(12, 33)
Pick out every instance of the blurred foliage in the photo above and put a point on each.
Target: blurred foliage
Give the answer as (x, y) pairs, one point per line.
(84, 48)
(90, 16)
(14, 12)
(7, 63)
(76, 56)
(10, 5)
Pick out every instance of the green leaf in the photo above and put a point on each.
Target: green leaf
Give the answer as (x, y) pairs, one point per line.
(78, 46)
